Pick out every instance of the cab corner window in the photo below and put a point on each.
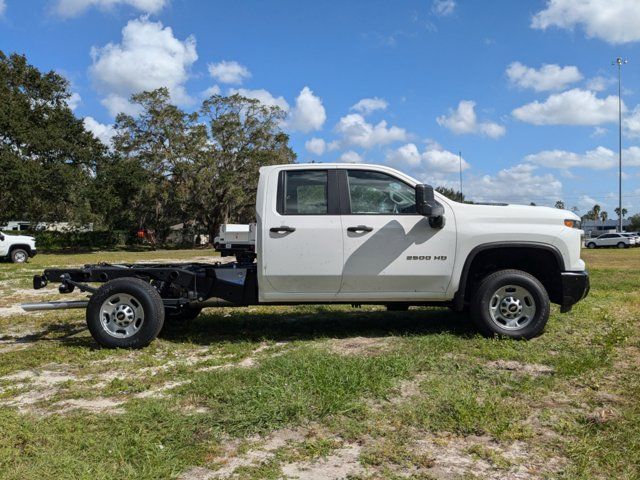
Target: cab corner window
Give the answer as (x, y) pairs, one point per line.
(376, 193)
(303, 192)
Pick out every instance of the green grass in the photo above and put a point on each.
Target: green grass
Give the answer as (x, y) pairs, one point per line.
(406, 387)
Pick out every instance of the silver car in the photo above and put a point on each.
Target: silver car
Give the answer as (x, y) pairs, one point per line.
(618, 240)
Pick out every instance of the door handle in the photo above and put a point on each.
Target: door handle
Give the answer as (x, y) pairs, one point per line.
(282, 229)
(360, 228)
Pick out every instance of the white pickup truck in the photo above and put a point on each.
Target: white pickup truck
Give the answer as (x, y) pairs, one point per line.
(17, 248)
(353, 234)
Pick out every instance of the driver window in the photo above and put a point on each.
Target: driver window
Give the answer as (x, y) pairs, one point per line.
(375, 193)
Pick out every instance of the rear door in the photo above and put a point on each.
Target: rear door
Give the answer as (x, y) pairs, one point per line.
(391, 252)
(302, 253)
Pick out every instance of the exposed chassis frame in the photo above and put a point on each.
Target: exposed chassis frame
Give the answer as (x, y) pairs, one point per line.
(178, 284)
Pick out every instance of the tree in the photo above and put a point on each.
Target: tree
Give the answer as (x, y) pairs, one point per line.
(158, 144)
(47, 157)
(595, 211)
(451, 194)
(634, 221)
(624, 212)
(241, 135)
(603, 216)
(560, 205)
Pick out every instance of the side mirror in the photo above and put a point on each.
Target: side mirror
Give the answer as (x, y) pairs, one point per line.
(426, 203)
(1, 237)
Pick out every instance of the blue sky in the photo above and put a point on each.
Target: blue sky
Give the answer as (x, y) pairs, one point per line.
(524, 89)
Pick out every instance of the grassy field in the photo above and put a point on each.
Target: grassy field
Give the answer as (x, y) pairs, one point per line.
(323, 392)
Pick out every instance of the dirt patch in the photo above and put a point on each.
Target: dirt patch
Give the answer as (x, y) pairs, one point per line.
(533, 369)
(342, 463)
(484, 457)
(367, 346)
(247, 362)
(92, 405)
(261, 449)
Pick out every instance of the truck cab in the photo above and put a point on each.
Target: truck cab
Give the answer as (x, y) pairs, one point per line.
(354, 233)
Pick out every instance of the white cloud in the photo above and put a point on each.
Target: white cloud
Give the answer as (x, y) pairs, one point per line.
(517, 184)
(3, 7)
(443, 8)
(599, 132)
(211, 91)
(350, 157)
(547, 77)
(316, 146)
(102, 132)
(308, 113)
(631, 122)
(573, 107)
(73, 8)
(368, 105)
(355, 130)
(614, 21)
(600, 158)
(264, 96)
(148, 57)
(229, 72)
(464, 120)
(74, 100)
(599, 83)
(433, 160)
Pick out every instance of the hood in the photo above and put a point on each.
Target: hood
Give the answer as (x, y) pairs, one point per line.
(518, 213)
(19, 238)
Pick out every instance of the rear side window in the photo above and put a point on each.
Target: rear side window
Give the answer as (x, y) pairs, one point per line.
(303, 192)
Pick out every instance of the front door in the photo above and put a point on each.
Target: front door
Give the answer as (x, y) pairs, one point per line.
(391, 253)
(302, 238)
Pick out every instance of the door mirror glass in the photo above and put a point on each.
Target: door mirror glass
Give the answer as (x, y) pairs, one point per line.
(426, 203)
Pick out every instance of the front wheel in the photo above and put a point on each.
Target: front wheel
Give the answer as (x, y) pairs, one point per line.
(18, 255)
(621, 245)
(591, 245)
(510, 303)
(125, 313)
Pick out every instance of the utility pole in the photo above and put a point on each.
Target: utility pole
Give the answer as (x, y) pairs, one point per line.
(619, 62)
(460, 157)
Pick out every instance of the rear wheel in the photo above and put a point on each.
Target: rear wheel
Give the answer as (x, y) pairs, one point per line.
(621, 245)
(125, 313)
(591, 245)
(19, 255)
(510, 303)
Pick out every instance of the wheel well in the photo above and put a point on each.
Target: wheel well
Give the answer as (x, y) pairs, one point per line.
(26, 248)
(542, 263)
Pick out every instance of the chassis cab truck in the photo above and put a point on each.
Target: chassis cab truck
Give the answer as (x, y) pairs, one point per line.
(353, 234)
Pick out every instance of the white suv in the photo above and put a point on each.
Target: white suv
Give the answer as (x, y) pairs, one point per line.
(610, 240)
(17, 248)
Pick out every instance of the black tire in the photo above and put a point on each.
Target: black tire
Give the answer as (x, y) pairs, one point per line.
(183, 314)
(591, 245)
(146, 300)
(397, 307)
(19, 255)
(483, 303)
(621, 245)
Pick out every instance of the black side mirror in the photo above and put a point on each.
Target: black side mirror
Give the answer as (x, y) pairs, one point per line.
(1, 237)
(426, 203)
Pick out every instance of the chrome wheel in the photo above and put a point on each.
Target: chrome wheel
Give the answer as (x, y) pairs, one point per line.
(20, 256)
(121, 315)
(512, 307)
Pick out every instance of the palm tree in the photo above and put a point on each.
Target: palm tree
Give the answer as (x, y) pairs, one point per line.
(560, 204)
(596, 211)
(624, 211)
(603, 216)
